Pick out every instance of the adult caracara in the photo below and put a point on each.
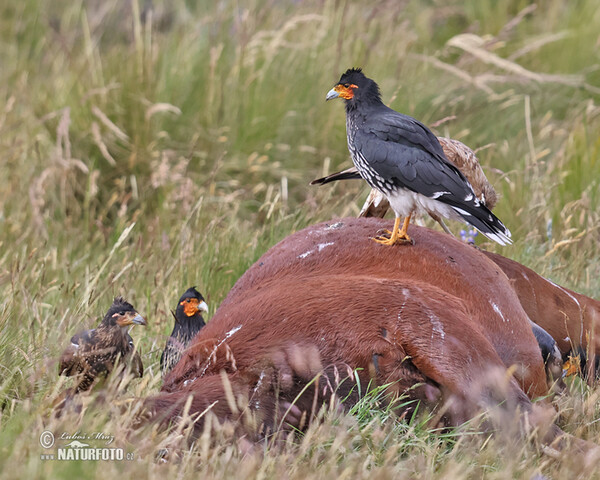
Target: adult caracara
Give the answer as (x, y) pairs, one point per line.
(402, 158)
(93, 353)
(188, 322)
(457, 153)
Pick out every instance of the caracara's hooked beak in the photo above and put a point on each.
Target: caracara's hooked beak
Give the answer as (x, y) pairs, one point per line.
(203, 307)
(331, 94)
(138, 320)
(132, 318)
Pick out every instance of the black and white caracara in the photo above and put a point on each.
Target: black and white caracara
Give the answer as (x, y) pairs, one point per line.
(188, 322)
(93, 353)
(403, 159)
(457, 153)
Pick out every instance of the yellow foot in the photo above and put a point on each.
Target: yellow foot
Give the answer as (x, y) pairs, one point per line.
(397, 235)
(400, 237)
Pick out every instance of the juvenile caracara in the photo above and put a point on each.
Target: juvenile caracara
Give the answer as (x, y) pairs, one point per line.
(92, 354)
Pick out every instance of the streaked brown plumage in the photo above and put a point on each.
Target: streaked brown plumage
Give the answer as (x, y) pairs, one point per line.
(93, 353)
(467, 162)
(456, 152)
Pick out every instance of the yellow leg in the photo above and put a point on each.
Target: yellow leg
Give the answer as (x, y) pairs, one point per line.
(397, 235)
(402, 234)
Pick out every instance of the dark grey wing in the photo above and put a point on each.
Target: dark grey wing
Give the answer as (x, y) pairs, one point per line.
(407, 154)
(392, 152)
(399, 128)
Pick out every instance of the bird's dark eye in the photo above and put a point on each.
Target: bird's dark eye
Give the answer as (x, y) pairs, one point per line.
(347, 85)
(122, 313)
(188, 300)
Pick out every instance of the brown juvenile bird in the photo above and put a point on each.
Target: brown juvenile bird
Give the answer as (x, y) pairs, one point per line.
(402, 158)
(188, 322)
(463, 158)
(93, 353)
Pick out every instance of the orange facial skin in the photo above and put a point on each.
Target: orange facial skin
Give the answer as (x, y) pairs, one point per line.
(345, 91)
(190, 306)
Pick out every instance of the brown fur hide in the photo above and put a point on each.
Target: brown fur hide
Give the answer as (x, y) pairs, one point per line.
(328, 300)
(572, 319)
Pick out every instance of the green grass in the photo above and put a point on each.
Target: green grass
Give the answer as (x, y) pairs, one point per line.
(196, 132)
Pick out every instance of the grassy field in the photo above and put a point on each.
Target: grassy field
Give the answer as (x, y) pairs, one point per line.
(145, 150)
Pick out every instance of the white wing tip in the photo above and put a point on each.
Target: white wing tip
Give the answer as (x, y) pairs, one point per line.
(502, 238)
